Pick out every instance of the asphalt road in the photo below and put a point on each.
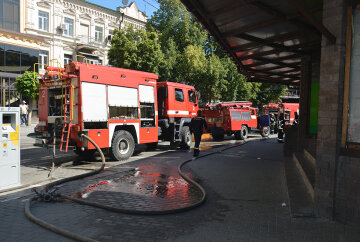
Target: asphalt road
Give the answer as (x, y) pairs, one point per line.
(36, 161)
(246, 199)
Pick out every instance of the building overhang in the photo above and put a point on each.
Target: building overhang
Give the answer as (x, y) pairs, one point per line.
(20, 39)
(86, 48)
(266, 39)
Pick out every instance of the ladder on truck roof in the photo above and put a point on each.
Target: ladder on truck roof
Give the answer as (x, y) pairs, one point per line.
(68, 116)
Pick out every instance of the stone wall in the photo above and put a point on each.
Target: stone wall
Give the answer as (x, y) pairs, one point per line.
(330, 107)
(347, 203)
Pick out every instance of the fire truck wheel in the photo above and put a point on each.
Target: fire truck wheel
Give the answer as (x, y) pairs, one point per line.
(186, 138)
(86, 154)
(217, 134)
(122, 145)
(243, 132)
(265, 132)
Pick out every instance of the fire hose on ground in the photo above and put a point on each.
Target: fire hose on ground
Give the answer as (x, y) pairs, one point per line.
(50, 193)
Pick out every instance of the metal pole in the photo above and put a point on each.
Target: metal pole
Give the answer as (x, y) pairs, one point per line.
(9, 92)
(3, 88)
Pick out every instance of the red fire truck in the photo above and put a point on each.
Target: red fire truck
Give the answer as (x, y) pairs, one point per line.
(236, 118)
(117, 108)
(287, 109)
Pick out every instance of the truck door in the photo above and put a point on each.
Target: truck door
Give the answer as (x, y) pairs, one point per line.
(192, 102)
(179, 103)
(162, 95)
(148, 119)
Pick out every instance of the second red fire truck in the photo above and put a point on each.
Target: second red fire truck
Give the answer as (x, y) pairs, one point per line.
(287, 109)
(236, 118)
(115, 107)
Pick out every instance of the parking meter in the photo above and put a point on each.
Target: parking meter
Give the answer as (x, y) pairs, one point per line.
(9, 147)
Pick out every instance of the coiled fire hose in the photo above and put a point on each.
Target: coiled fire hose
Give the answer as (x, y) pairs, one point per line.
(47, 196)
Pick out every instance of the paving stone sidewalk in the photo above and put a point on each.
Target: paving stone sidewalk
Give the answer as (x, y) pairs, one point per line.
(247, 201)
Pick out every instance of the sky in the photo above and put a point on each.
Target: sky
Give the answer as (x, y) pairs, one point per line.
(149, 6)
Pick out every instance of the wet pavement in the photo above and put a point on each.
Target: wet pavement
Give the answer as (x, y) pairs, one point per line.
(246, 201)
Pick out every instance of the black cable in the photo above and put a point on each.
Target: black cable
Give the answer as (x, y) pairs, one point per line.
(74, 236)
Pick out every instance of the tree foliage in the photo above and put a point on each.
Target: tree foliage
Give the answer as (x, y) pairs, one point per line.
(136, 49)
(27, 84)
(267, 93)
(177, 48)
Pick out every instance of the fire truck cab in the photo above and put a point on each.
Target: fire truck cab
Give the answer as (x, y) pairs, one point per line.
(289, 110)
(177, 104)
(236, 118)
(115, 107)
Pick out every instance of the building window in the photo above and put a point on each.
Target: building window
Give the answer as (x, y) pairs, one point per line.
(14, 61)
(43, 21)
(98, 34)
(69, 26)
(43, 59)
(67, 59)
(10, 15)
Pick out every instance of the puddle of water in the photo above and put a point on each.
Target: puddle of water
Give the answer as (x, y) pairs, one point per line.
(154, 180)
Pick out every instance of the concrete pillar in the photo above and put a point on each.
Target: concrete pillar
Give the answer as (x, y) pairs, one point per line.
(330, 107)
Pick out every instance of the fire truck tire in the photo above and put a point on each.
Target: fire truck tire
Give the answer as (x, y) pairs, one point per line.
(122, 145)
(265, 132)
(87, 154)
(217, 134)
(186, 138)
(244, 132)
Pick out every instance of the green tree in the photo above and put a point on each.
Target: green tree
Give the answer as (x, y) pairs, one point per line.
(266, 93)
(27, 85)
(171, 56)
(190, 55)
(136, 49)
(206, 74)
(172, 20)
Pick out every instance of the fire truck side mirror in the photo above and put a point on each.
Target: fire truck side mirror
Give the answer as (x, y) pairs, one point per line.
(198, 95)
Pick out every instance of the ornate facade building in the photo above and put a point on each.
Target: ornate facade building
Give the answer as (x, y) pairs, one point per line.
(77, 29)
(18, 50)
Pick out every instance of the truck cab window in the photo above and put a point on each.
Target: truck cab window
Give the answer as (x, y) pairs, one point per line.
(192, 96)
(246, 116)
(179, 95)
(236, 115)
(287, 115)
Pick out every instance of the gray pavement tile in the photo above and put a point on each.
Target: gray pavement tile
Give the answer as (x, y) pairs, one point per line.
(245, 187)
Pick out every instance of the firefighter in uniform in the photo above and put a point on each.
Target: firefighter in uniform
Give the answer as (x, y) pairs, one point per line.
(281, 126)
(296, 119)
(196, 127)
(272, 123)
